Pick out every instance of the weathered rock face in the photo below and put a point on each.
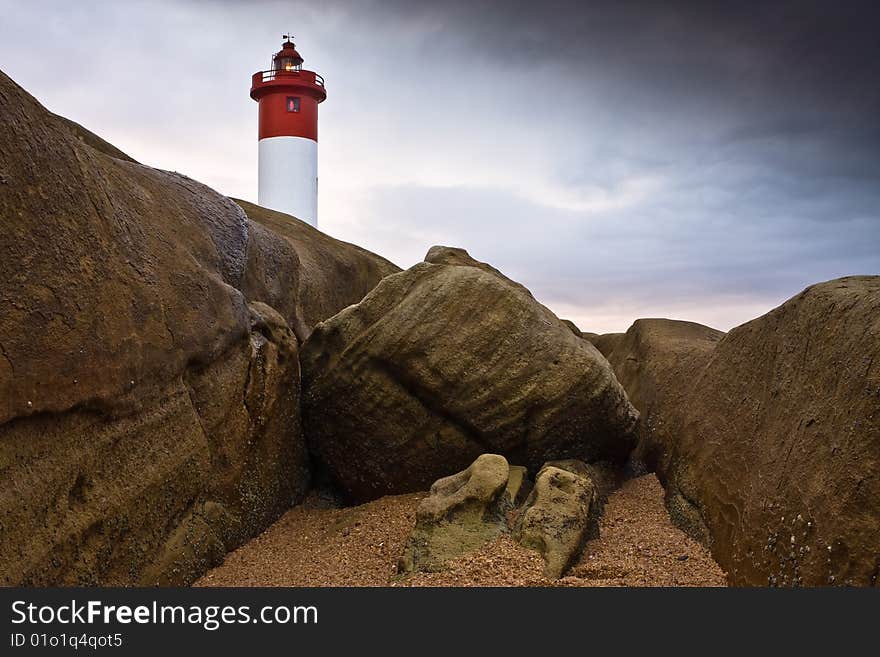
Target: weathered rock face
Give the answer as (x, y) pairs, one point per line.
(573, 327)
(604, 342)
(471, 508)
(450, 255)
(441, 363)
(463, 512)
(769, 443)
(656, 360)
(555, 519)
(781, 446)
(148, 401)
(94, 141)
(306, 275)
(606, 478)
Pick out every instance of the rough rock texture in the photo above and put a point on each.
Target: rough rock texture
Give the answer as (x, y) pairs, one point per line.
(769, 443)
(441, 363)
(461, 513)
(573, 327)
(656, 360)
(605, 477)
(91, 139)
(307, 275)
(604, 342)
(556, 517)
(148, 401)
(451, 255)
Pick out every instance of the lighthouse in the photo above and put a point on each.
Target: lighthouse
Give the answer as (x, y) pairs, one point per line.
(288, 97)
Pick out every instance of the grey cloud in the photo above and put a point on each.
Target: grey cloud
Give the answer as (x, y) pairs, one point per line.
(759, 120)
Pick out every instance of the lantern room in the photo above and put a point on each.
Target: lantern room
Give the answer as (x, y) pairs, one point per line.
(287, 59)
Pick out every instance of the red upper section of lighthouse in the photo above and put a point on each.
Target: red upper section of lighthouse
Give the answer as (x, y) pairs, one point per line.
(288, 96)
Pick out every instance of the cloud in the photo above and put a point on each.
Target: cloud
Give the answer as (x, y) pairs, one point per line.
(622, 159)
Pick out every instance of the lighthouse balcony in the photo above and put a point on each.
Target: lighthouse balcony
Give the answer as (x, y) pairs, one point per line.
(294, 81)
(288, 76)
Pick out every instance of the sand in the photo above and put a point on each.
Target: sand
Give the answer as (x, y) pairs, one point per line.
(359, 546)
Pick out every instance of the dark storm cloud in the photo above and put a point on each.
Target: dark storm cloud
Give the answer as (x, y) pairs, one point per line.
(824, 46)
(764, 116)
(797, 65)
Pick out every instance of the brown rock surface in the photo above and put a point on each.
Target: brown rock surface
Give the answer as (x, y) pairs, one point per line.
(93, 140)
(656, 361)
(780, 449)
(605, 477)
(148, 410)
(441, 363)
(460, 514)
(114, 274)
(307, 275)
(604, 342)
(768, 442)
(555, 518)
(573, 327)
(451, 255)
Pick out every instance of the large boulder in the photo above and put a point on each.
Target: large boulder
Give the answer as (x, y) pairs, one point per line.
(461, 513)
(149, 377)
(768, 439)
(444, 362)
(556, 518)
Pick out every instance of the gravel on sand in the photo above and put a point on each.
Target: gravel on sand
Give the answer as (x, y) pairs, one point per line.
(359, 546)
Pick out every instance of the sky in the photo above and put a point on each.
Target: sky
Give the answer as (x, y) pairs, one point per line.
(692, 160)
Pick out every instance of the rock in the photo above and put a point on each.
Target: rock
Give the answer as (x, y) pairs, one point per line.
(462, 512)
(606, 477)
(149, 377)
(572, 465)
(657, 360)
(94, 141)
(556, 518)
(155, 486)
(450, 255)
(572, 327)
(605, 342)
(769, 433)
(441, 363)
(306, 275)
(113, 272)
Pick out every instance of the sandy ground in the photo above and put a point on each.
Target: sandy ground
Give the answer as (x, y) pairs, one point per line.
(359, 546)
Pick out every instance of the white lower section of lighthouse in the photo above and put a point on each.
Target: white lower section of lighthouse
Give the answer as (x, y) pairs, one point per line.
(288, 176)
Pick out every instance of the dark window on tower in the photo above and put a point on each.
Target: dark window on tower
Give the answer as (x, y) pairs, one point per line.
(292, 104)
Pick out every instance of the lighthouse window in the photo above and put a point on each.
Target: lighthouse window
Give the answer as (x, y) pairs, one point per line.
(292, 104)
